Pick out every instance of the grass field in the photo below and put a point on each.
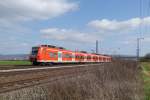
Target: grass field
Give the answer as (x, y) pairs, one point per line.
(14, 62)
(146, 76)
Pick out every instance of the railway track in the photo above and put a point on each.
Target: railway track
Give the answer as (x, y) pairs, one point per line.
(10, 67)
(21, 78)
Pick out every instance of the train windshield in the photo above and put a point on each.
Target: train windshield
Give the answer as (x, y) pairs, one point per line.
(35, 50)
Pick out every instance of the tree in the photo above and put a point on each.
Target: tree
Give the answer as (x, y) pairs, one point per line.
(146, 57)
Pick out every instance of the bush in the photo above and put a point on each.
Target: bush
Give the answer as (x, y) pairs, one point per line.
(146, 58)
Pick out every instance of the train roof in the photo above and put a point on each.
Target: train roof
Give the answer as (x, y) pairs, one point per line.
(80, 52)
(52, 46)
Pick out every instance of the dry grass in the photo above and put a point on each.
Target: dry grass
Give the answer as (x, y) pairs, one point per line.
(146, 77)
(114, 81)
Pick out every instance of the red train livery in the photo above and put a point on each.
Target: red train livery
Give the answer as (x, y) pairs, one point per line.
(48, 54)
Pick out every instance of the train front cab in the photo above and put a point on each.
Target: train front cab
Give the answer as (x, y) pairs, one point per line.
(34, 54)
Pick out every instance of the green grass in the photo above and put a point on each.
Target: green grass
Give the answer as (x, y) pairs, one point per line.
(146, 77)
(14, 62)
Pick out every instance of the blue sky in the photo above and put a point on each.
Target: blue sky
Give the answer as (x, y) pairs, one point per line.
(74, 24)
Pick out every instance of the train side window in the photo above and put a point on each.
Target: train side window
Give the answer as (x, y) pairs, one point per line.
(88, 57)
(81, 57)
(77, 57)
(53, 55)
(67, 55)
(96, 58)
(100, 58)
(103, 59)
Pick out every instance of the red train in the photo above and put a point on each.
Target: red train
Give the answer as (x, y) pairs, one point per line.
(48, 54)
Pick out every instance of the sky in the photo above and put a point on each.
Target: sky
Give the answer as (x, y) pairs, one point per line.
(75, 25)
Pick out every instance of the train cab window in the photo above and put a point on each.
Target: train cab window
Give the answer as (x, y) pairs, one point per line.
(53, 54)
(35, 50)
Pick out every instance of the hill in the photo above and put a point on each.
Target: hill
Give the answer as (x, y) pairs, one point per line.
(14, 57)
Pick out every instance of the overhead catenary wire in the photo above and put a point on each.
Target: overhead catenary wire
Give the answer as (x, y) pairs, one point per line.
(139, 35)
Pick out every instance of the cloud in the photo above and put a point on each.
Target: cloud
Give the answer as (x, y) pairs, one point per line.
(22, 10)
(68, 35)
(129, 42)
(106, 25)
(14, 13)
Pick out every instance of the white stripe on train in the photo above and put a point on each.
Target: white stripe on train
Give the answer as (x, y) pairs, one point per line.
(55, 61)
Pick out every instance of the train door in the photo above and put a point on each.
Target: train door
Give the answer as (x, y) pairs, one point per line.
(85, 58)
(59, 56)
(73, 57)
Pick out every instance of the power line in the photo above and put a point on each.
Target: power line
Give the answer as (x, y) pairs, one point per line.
(148, 11)
(139, 38)
(140, 28)
(97, 46)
